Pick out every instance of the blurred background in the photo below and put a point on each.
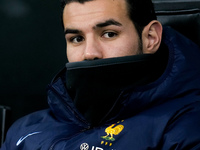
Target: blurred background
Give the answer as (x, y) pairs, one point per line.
(32, 51)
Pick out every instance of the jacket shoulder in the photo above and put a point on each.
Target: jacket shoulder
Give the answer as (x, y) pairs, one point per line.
(24, 125)
(183, 130)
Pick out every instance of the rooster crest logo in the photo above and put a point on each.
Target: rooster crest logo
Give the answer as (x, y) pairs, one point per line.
(112, 130)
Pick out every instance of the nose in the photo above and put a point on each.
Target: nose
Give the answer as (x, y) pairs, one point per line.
(92, 50)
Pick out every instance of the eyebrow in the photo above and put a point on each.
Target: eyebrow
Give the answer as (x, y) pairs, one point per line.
(108, 23)
(72, 31)
(99, 25)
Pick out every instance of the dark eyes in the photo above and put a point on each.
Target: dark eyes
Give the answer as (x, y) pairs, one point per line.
(109, 34)
(78, 39)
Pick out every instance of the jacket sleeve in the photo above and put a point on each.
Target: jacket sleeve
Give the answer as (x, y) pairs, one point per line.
(9, 143)
(6, 145)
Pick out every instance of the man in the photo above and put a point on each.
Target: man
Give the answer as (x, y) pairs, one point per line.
(129, 84)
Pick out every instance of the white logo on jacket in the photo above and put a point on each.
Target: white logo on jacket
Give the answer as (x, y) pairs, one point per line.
(86, 146)
(24, 137)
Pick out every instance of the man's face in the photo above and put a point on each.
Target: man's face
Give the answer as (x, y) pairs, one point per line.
(99, 29)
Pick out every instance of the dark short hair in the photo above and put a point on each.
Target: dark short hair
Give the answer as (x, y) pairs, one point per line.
(141, 12)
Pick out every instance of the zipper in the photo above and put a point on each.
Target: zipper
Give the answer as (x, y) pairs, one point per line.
(56, 141)
(83, 122)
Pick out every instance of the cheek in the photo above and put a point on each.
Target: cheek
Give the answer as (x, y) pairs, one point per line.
(132, 43)
(132, 47)
(69, 56)
(73, 55)
(125, 48)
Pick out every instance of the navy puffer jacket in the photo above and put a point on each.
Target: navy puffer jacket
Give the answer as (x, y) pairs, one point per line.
(163, 115)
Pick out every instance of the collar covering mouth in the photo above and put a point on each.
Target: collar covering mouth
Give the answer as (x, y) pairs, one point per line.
(95, 85)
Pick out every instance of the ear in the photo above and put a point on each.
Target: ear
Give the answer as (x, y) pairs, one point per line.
(151, 37)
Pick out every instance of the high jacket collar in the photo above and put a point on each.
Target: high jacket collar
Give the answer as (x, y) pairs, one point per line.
(178, 78)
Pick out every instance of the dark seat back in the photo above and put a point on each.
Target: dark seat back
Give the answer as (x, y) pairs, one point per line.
(182, 15)
(4, 122)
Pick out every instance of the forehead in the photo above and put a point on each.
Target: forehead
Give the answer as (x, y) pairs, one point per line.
(93, 10)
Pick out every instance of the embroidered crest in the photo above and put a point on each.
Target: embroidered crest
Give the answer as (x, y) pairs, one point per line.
(112, 130)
